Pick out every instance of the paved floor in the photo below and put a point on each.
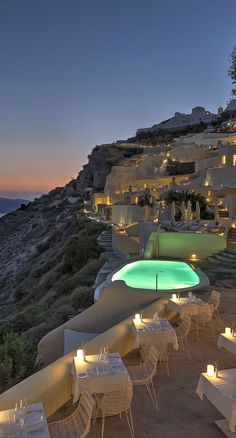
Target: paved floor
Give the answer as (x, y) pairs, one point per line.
(181, 413)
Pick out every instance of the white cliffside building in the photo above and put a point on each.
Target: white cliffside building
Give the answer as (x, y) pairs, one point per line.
(181, 120)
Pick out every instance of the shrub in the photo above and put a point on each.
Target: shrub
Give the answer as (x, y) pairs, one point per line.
(79, 250)
(17, 359)
(82, 297)
(62, 314)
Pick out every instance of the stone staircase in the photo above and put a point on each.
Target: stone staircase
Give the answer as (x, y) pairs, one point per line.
(226, 257)
(231, 240)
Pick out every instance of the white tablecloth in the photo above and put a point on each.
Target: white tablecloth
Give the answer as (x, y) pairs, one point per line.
(228, 342)
(221, 392)
(185, 305)
(101, 377)
(148, 333)
(32, 411)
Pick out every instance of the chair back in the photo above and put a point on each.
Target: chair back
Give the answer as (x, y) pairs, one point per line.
(189, 311)
(84, 412)
(118, 401)
(215, 299)
(150, 364)
(185, 325)
(205, 313)
(77, 425)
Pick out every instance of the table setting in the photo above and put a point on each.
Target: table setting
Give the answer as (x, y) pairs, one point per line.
(219, 388)
(227, 340)
(181, 305)
(99, 373)
(24, 421)
(156, 331)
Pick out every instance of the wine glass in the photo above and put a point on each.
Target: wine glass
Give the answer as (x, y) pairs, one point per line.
(105, 352)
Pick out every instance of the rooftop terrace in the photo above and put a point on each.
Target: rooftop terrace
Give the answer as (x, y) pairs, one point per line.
(181, 412)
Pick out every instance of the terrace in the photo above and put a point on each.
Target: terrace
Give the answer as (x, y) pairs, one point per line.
(180, 409)
(181, 412)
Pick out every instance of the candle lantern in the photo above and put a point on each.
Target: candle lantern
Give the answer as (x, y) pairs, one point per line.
(228, 331)
(210, 370)
(80, 355)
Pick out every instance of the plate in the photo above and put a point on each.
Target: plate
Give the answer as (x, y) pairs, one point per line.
(114, 360)
(33, 422)
(82, 375)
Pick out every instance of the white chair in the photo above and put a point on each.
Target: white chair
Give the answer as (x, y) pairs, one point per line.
(204, 318)
(143, 374)
(77, 425)
(182, 332)
(118, 402)
(215, 301)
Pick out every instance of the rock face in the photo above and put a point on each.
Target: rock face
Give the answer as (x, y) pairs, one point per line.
(100, 163)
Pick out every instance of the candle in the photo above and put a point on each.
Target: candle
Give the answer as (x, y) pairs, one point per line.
(210, 370)
(174, 296)
(228, 331)
(137, 317)
(80, 355)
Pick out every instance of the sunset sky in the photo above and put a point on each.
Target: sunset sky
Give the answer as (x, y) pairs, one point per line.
(78, 73)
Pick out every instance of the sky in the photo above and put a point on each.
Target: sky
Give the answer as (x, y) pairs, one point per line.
(76, 73)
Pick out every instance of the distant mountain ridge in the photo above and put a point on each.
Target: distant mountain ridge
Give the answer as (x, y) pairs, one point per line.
(7, 205)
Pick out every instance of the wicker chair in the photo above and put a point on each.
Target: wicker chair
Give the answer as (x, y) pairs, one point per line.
(215, 301)
(118, 402)
(204, 317)
(143, 374)
(77, 425)
(182, 332)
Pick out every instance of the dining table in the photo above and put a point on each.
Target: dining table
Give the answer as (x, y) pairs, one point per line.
(185, 305)
(154, 332)
(29, 423)
(98, 375)
(220, 390)
(228, 342)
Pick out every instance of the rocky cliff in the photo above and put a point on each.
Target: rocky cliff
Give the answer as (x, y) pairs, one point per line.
(100, 163)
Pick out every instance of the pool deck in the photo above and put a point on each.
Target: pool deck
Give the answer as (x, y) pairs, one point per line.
(181, 414)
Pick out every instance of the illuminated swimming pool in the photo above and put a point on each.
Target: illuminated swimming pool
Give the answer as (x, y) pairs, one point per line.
(158, 275)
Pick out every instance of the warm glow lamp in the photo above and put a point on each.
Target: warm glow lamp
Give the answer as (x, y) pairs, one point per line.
(210, 370)
(228, 331)
(80, 355)
(174, 296)
(137, 317)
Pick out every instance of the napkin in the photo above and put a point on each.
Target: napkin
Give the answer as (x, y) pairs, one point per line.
(103, 371)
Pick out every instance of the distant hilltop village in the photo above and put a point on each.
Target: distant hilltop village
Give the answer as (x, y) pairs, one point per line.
(198, 115)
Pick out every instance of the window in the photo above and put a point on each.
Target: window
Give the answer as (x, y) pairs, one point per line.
(234, 160)
(223, 159)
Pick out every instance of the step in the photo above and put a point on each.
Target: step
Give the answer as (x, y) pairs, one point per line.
(227, 254)
(225, 260)
(229, 251)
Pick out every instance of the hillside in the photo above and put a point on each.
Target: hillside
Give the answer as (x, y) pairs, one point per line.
(49, 260)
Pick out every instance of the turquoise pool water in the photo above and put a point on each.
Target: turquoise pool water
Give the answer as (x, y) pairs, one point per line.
(157, 274)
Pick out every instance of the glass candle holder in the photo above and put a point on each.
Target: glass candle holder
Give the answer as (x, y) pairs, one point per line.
(210, 370)
(228, 331)
(137, 317)
(80, 355)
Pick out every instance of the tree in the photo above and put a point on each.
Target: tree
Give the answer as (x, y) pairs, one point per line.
(232, 70)
(185, 196)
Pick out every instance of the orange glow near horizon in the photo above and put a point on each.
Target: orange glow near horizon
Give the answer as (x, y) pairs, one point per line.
(33, 183)
(39, 174)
